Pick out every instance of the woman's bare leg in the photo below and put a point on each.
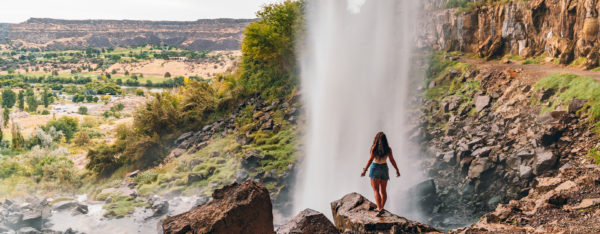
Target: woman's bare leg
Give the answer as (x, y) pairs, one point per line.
(383, 192)
(375, 184)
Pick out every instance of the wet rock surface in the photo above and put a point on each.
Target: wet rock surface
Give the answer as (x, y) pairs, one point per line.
(236, 208)
(355, 214)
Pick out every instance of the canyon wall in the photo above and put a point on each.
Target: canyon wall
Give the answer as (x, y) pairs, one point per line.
(565, 29)
(204, 34)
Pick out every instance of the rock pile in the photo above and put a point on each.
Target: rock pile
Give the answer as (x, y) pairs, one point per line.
(501, 146)
(567, 202)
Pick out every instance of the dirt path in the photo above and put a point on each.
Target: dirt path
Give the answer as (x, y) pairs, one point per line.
(532, 72)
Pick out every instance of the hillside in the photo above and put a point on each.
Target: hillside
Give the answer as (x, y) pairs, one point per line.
(203, 34)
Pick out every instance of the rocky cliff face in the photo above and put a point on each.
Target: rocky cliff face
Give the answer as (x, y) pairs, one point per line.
(205, 34)
(564, 29)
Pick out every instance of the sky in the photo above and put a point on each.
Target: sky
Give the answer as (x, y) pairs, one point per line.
(16, 11)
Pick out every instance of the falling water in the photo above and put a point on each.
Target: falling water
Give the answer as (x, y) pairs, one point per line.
(355, 63)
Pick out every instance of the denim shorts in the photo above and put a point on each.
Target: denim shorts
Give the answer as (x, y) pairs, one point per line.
(379, 171)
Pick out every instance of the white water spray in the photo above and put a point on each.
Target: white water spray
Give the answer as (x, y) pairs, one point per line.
(355, 66)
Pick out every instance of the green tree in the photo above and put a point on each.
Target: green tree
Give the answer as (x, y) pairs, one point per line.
(17, 138)
(268, 49)
(8, 98)
(6, 116)
(21, 100)
(66, 124)
(46, 98)
(167, 75)
(32, 103)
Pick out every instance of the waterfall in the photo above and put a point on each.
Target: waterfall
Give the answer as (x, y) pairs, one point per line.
(355, 62)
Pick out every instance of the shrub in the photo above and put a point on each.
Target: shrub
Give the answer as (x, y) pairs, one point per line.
(50, 168)
(66, 124)
(81, 138)
(198, 99)
(160, 114)
(82, 110)
(10, 168)
(103, 160)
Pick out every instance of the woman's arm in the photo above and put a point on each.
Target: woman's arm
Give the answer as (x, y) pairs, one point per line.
(394, 163)
(364, 171)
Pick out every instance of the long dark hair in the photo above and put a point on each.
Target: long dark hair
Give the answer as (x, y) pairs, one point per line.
(380, 148)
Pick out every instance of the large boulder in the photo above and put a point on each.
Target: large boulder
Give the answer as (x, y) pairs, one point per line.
(354, 213)
(478, 167)
(236, 208)
(481, 102)
(544, 161)
(306, 222)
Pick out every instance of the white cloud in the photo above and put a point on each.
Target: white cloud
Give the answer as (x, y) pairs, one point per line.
(14, 11)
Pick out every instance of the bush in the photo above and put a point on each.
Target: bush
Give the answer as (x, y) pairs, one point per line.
(81, 138)
(198, 100)
(10, 168)
(103, 160)
(55, 168)
(82, 110)
(160, 114)
(66, 124)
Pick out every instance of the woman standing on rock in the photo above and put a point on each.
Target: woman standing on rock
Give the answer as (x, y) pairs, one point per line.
(380, 152)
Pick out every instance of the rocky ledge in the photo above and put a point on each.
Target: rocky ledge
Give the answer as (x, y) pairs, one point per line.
(235, 208)
(354, 213)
